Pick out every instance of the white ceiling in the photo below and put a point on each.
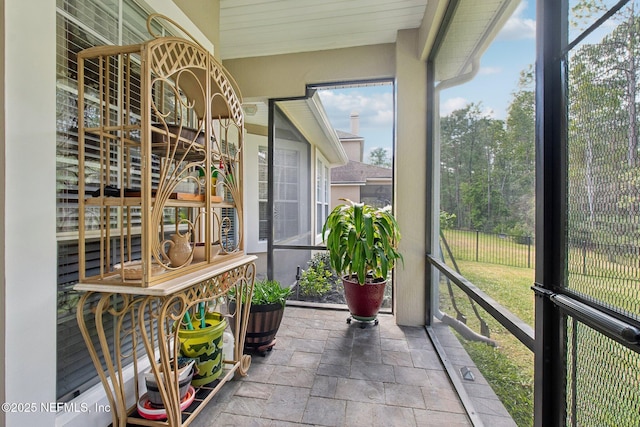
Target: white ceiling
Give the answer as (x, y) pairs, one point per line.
(269, 27)
(251, 28)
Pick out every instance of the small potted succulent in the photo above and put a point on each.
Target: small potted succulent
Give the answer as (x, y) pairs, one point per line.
(363, 248)
(267, 308)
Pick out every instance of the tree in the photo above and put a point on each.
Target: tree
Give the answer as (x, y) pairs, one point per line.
(487, 165)
(604, 181)
(469, 139)
(379, 157)
(515, 160)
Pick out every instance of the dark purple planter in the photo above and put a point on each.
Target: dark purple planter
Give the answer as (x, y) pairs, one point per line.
(364, 301)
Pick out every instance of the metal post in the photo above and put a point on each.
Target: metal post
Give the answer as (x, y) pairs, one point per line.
(584, 257)
(271, 141)
(431, 289)
(551, 115)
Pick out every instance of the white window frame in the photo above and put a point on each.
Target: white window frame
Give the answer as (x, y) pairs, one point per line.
(322, 194)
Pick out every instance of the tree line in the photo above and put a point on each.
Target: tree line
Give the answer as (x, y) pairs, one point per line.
(487, 165)
(604, 166)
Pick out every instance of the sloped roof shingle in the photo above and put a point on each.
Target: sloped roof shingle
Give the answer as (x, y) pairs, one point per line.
(357, 172)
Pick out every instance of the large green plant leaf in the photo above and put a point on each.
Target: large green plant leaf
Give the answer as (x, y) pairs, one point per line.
(362, 240)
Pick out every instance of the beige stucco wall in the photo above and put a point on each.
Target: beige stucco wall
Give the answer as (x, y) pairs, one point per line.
(205, 14)
(353, 149)
(410, 175)
(3, 147)
(29, 188)
(351, 192)
(282, 76)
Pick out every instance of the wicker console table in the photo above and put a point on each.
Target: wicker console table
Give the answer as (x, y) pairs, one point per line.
(150, 315)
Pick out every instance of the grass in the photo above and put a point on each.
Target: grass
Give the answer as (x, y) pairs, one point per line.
(509, 367)
(489, 248)
(599, 397)
(513, 386)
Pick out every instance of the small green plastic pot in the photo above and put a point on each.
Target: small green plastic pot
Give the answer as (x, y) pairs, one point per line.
(205, 346)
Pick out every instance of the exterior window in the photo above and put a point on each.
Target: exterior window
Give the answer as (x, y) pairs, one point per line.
(263, 191)
(80, 25)
(378, 195)
(327, 186)
(287, 194)
(322, 195)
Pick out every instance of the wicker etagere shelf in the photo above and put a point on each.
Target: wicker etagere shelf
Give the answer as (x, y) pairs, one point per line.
(160, 142)
(162, 120)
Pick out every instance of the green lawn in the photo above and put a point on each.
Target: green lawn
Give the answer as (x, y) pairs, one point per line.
(489, 248)
(601, 398)
(509, 367)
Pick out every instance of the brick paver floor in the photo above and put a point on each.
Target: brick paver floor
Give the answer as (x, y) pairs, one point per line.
(325, 372)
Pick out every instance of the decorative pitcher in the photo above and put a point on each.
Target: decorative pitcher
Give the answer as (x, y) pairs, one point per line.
(179, 252)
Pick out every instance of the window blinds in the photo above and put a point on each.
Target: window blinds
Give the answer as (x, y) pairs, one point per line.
(80, 24)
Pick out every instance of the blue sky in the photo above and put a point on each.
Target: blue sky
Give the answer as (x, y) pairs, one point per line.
(374, 105)
(511, 52)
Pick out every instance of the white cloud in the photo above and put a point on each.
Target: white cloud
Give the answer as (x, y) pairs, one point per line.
(518, 27)
(489, 112)
(490, 70)
(452, 104)
(383, 118)
(374, 107)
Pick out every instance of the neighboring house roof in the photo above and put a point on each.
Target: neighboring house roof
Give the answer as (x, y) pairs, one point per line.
(346, 135)
(359, 173)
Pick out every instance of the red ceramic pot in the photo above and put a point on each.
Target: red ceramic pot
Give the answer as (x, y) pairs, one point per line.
(364, 301)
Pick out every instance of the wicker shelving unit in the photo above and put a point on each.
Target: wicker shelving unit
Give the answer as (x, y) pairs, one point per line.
(159, 120)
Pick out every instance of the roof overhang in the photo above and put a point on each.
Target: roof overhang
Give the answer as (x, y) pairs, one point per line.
(309, 117)
(348, 184)
(379, 180)
(470, 26)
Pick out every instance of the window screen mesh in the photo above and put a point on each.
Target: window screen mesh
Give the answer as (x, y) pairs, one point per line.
(603, 381)
(604, 166)
(603, 200)
(292, 184)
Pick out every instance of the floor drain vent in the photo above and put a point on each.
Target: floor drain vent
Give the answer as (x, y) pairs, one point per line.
(467, 374)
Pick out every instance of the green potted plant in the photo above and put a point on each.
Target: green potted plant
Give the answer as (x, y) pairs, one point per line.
(319, 282)
(267, 308)
(363, 248)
